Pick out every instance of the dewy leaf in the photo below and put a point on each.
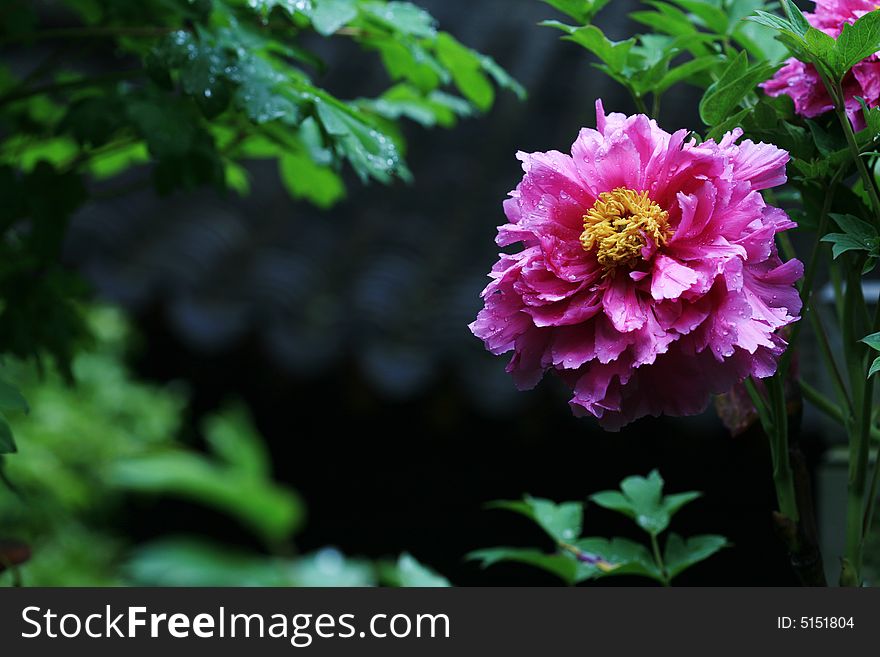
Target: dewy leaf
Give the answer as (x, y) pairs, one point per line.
(612, 53)
(641, 500)
(328, 16)
(735, 83)
(627, 557)
(563, 522)
(403, 17)
(371, 153)
(559, 564)
(681, 554)
(858, 41)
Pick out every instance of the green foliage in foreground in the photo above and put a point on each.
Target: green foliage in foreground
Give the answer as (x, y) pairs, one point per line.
(90, 450)
(581, 558)
(180, 94)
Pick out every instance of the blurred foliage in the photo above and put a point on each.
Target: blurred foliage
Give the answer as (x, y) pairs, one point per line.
(690, 41)
(192, 89)
(580, 558)
(87, 448)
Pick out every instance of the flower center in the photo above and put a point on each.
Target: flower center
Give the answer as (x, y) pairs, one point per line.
(620, 225)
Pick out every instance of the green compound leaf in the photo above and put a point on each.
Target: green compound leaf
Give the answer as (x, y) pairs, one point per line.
(627, 558)
(857, 235)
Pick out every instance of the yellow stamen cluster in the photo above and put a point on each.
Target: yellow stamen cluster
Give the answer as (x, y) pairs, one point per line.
(619, 224)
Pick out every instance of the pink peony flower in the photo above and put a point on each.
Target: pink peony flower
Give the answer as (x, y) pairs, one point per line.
(648, 276)
(802, 82)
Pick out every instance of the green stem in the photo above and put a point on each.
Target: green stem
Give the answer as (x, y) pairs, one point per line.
(867, 179)
(859, 427)
(830, 362)
(806, 286)
(658, 558)
(829, 408)
(783, 477)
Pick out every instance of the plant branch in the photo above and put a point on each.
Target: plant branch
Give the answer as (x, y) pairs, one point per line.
(69, 85)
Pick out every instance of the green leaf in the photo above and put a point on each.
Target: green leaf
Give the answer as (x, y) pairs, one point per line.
(371, 153)
(402, 17)
(560, 565)
(232, 437)
(820, 45)
(11, 399)
(614, 501)
(667, 19)
(612, 53)
(875, 367)
(798, 21)
(501, 77)
(628, 558)
(858, 41)
(580, 10)
(672, 503)
(872, 341)
(858, 235)
(411, 573)
(270, 510)
(686, 71)
(773, 21)
(709, 15)
(563, 522)
(7, 442)
(680, 554)
(466, 68)
(641, 500)
(328, 16)
(735, 83)
(305, 179)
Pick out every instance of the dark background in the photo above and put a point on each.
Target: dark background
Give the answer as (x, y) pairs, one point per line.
(346, 333)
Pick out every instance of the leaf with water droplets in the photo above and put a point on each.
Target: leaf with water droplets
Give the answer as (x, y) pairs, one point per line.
(403, 17)
(371, 153)
(563, 521)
